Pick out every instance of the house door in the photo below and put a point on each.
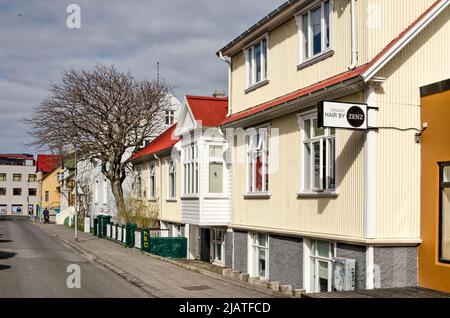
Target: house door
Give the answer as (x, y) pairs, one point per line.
(205, 236)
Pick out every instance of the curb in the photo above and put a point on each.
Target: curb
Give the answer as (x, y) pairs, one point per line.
(152, 291)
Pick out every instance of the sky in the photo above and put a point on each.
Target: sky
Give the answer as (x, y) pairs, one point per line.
(36, 46)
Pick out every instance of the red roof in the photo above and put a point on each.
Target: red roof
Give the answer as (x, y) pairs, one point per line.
(330, 81)
(164, 141)
(47, 163)
(209, 111)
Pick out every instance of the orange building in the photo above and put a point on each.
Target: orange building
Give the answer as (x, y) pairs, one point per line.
(434, 253)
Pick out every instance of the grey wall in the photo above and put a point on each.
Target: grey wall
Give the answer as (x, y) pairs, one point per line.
(240, 251)
(397, 266)
(286, 260)
(229, 249)
(358, 253)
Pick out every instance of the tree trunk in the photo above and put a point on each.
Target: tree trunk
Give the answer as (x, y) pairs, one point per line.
(116, 187)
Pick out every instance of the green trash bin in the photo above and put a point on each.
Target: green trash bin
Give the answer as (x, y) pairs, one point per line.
(96, 226)
(128, 239)
(145, 240)
(105, 220)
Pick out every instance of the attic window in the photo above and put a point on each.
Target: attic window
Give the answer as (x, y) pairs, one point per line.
(256, 62)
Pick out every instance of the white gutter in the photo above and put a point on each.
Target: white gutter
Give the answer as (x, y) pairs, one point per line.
(370, 166)
(229, 81)
(354, 35)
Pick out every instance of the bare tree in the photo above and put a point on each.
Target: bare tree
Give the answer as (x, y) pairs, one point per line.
(101, 113)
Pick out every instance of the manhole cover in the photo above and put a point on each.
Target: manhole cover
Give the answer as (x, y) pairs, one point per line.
(196, 288)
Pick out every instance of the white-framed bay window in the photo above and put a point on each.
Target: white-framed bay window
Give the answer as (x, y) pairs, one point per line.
(216, 166)
(315, 30)
(318, 156)
(171, 180)
(256, 62)
(152, 182)
(321, 254)
(257, 141)
(190, 170)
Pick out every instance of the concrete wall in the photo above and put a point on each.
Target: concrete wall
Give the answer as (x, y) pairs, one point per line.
(398, 266)
(229, 249)
(286, 260)
(357, 253)
(240, 251)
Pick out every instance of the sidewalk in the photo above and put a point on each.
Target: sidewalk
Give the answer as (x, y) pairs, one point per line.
(157, 277)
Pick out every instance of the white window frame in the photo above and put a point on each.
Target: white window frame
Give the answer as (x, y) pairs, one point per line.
(253, 256)
(214, 242)
(251, 151)
(191, 172)
(4, 177)
(171, 185)
(324, 141)
(311, 255)
(169, 118)
(219, 159)
(303, 58)
(152, 181)
(138, 182)
(105, 192)
(250, 64)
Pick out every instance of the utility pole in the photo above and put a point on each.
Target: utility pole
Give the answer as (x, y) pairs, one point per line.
(76, 196)
(157, 72)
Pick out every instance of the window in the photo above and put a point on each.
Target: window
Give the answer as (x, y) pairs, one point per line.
(17, 191)
(105, 192)
(2, 191)
(32, 178)
(3, 209)
(16, 209)
(260, 251)
(17, 177)
(315, 31)
(321, 257)
(138, 184)
(319, 156)
(445, 213)
(171, 193)
(256, 62)
(152, 185)
(190, 165)
(46, 196)
(32, 192)
(218, 246)
(170, 117)
(257, 161)
(2, 176)
(216, 166)
(96, 191)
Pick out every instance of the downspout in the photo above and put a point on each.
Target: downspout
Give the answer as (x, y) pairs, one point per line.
(354, 35)
(160, 183)
(229, 82)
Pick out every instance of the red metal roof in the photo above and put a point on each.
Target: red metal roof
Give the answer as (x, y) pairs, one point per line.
(164, 141)
(330, 81)
(209, 111)
(47, 163)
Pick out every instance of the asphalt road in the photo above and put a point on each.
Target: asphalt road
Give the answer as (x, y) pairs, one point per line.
(34, 265)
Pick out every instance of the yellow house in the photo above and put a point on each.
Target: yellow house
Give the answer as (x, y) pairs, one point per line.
(51, 194)
(307, 197)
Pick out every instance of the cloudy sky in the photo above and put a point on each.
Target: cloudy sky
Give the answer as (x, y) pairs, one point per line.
(183, 35)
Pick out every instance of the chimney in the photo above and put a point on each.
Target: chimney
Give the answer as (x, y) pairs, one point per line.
(219, 93)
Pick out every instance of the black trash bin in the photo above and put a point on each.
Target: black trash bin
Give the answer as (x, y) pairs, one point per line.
(96, 226)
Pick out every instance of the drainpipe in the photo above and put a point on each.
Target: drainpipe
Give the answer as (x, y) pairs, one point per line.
(160, 183)
(354, 35)
(229, 81)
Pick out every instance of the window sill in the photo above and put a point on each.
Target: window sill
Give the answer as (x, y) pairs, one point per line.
(216, 197)
(315, 59)
(317, 195)
(190, 198)
(256, 86)
(257, 196)
(152, 200)
(172, 200)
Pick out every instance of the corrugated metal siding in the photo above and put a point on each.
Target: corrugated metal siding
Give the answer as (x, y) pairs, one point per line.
(190, 211)
(284, 211)
(426, 60)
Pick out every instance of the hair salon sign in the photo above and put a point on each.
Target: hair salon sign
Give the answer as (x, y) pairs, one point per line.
(342, 115)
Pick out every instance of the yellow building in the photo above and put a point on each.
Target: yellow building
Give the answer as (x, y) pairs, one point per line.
(304, 196)
(50, 193)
